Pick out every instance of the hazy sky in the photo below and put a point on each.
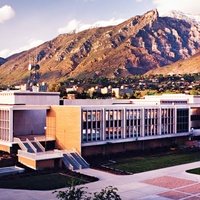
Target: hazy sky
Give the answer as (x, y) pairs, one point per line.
(28, 23)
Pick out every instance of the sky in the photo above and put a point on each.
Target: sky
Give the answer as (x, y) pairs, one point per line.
(27, 23)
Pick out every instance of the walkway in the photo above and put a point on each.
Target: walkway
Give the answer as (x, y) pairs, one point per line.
(163, 184)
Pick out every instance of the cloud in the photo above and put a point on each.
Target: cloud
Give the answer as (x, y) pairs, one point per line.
(77, 26)
(6, 13)
(30, 44)
(187, 6)
(4, 53)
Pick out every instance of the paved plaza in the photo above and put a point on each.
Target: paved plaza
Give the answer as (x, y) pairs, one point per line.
(163, 184)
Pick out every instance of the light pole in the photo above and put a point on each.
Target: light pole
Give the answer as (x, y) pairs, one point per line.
(45, 128)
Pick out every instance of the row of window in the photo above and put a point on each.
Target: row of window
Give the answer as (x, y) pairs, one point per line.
(134, 126)
(4, 125)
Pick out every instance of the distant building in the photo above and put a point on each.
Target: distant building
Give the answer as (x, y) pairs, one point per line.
(72, 89)
(71, 96)
(115, 92)
(104, 90)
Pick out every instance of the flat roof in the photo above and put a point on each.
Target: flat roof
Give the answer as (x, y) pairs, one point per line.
(25, 107)
(21, 92)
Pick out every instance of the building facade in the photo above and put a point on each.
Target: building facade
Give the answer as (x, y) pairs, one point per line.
(127, 123)
(91, 127)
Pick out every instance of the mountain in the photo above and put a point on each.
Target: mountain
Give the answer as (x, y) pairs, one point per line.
(190, 65)
(2, 61)
(135, 46)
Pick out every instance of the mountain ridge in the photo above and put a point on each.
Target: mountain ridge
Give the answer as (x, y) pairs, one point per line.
(190, 65)
(135, 46)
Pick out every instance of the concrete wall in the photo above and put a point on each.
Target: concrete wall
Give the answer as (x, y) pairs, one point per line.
(64, 123)
(27, 122)
(38, 164)
(137, 146)
(4, 148)
(27, 162)
(95, 101)
(37, 99)
(42, 164)
(29, 98)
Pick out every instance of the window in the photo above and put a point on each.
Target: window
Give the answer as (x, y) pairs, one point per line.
(182, 120)
(133, 123)
(167, 121)
(113, 124)
(91, 125)
(150, 122)
(4, 125)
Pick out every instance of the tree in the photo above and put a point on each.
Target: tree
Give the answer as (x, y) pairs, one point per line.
(79, 193)
(109, 193)
(73, 193)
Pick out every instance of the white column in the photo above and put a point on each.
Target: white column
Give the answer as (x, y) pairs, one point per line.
(175, 120)
(11, 125)
(142, 122)
(189, 119)
(124, 123)
(160, 122)
(103, 121)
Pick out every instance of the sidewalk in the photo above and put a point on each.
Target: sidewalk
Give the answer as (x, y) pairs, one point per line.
(138, 186)
(163, 184)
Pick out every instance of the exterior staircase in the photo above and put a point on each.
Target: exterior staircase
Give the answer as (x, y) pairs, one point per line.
(33, 150)
(31, 146)
(33, 155)
(74, 161)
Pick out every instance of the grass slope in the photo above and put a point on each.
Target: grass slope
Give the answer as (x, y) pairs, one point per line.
(141, 164)
(39, 182)
(194, 171)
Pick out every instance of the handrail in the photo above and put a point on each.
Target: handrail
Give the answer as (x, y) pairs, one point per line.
(74, 160)
(75, 150)
(39, 144)
(67, 164)
(31, 145)
(20, 143)
(82, 159)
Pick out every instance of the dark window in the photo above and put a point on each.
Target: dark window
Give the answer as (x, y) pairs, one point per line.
(195, 117)
(182, 120)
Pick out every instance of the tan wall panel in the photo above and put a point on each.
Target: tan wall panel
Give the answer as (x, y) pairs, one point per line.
(66, 123)
(28, 162)
(4, 148)
(51, 123)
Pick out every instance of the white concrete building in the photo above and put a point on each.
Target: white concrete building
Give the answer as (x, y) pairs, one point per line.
(92, 126)
(127, 121)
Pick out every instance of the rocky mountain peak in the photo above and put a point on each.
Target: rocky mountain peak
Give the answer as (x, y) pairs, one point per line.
(152, 15)
(135, 46)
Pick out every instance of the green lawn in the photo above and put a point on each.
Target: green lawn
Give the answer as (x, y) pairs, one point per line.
(146, 163)
(194, 171)
(38, 182)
